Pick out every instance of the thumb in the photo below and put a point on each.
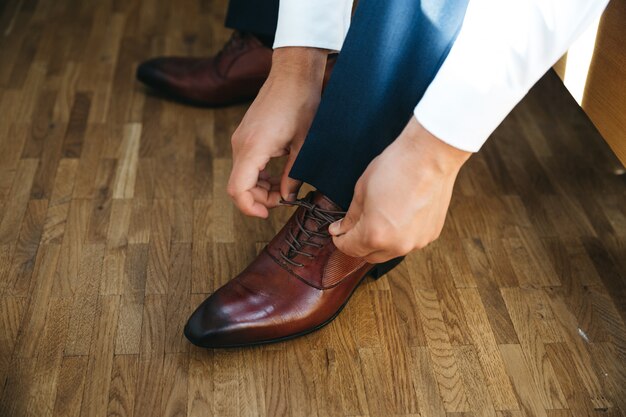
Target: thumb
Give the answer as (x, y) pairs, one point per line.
(288, 186)
(342, 226)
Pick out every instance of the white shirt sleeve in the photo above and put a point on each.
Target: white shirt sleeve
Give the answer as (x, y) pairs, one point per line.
(313, 23)
(502, 49)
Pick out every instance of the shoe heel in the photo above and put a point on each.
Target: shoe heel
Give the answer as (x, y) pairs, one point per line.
(381, 269)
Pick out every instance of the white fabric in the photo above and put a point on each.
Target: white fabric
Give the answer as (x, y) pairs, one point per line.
(313, 23)
(502, 49)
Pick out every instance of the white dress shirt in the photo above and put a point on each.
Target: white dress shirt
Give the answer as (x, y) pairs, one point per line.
(502, 49)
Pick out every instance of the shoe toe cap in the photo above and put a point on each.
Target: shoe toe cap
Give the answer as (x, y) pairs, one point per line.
(153, 72)
(208, 326)
(256, 308)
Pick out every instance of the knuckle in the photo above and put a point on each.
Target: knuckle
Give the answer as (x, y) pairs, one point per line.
(369, 240)
(241, 140)
(347, 221)
(381, 236)
(375, 240)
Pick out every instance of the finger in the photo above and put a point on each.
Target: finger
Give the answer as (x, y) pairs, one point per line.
(243, 178)
(352, 242)
(264, 184)
(289, 187)
(249, 206)
(268, 198)
(342, 226)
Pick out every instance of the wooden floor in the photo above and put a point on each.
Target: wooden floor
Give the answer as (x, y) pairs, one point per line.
(114, 225)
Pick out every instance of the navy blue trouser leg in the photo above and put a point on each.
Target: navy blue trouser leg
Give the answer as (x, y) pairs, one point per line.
(392, 52)
(254, 16)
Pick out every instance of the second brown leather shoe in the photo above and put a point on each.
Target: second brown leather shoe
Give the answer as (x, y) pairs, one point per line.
(234, 75)
(296, 285)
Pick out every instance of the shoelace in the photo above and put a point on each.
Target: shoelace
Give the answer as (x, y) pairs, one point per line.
(322, 218)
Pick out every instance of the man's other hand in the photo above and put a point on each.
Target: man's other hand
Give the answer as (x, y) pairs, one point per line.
(401, 200)
(275, 125)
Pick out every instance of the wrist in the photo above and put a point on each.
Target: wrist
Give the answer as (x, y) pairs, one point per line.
(300, 63)
(431, 151)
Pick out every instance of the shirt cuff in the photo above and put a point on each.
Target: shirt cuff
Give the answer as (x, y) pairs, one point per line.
(313, 23)
(496, 59)
(463, 115)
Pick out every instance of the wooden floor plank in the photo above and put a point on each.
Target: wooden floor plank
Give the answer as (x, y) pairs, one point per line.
(200, 383)
(521, 305)
(576, 394)
(474, 379)
(30, 338)
(123, 385)
(451, 386)
(529, 398)
(17, 200)
(427, 389)
(48, 367)
(95, 396)
(115, 224)
(20, 273)
(69, 394)
(498, 381)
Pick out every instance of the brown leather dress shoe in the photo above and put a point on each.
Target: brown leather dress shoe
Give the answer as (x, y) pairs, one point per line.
(233, 75)
(298, 283)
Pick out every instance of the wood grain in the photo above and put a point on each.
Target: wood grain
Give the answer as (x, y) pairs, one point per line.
(115, 224)
(605, 96)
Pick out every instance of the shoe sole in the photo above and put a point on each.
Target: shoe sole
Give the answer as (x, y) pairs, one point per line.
(376, 272)
(172, 97)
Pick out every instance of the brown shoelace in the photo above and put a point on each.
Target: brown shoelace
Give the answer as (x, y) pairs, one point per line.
(322, 218)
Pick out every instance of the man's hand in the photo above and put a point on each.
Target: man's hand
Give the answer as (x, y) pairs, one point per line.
(275, 125)
(401, 200)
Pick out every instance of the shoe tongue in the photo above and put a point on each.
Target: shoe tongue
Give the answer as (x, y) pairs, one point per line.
(323, 202)
(311, 222)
